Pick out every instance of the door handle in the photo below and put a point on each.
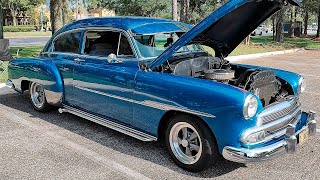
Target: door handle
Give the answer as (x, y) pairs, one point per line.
(79, 60)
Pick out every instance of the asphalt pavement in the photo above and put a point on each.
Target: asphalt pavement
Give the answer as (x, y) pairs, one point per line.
(28, 41)
(50, 145)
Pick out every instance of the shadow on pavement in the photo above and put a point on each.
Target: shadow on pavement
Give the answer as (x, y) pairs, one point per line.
(150, 151)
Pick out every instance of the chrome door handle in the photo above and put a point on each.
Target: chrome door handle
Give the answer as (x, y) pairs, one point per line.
(79, 60)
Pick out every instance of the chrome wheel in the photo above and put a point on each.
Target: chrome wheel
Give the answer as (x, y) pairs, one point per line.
(37, 95)
(185, 143)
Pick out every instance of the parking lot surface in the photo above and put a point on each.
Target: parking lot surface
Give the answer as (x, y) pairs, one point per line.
(50, 145)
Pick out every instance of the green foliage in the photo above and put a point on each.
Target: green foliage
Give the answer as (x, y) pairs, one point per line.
(3, 71)
(18, 28)
(154, 8)
(312, 5)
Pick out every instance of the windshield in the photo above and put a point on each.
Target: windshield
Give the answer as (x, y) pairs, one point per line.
(154, 45)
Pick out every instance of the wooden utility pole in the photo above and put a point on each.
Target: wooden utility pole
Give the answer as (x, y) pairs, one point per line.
(175, 10)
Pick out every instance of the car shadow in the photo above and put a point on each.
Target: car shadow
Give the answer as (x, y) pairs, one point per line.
(150, 151)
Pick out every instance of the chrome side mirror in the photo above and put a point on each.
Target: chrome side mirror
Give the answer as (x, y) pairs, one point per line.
(112, 58)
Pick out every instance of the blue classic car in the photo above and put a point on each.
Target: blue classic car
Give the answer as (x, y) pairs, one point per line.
(153, 79)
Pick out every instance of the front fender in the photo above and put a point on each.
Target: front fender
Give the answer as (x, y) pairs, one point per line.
(289, 77)
(219, 105)
(44, 72)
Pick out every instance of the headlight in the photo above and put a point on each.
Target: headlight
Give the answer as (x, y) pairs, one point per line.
(253, 138)
(302, 85)
(250, 106)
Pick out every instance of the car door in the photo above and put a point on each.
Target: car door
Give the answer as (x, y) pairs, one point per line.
(62, 51)
(104, 78)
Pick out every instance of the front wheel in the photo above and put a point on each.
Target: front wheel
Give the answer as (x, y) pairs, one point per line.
(191, 144)
(37, 97)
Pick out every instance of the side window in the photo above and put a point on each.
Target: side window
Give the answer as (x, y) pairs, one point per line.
(104, 43)
(69, 42)
(124, 47)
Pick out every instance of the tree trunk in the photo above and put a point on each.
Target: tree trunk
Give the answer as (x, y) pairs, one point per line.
(56, 15)
(65, 12)
(318, 31)
(184, 14)
(247, 40)
(1, 22)
(306, 21)
(14, 17)
(273, 27)
(175, 10)
(279, 26)
(291, 30)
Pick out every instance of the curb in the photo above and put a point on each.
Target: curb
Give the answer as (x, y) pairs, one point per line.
(312, 49)
(258, 55)
(20, 37)
(2, 85)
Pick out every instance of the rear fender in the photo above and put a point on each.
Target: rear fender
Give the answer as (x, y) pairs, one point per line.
(43, 72)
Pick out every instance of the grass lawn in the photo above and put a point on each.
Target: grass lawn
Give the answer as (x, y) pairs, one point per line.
(28, 51)
(261, 44)
(26, 34)
(288, 42)
(3, 72)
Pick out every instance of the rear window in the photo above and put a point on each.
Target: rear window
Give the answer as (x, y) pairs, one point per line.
(68, 42)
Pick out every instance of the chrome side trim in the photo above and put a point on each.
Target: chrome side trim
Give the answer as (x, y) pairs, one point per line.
(148, 103)
(53, 98)
(109, 124)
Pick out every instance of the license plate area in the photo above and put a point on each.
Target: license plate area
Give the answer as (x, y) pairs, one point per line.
(303, 136)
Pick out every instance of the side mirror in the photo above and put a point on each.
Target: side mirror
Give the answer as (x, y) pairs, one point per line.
(112, 58)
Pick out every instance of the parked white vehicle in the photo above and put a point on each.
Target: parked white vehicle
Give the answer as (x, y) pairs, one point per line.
(257, 31)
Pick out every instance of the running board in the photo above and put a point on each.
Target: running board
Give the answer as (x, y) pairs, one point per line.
(108, 123)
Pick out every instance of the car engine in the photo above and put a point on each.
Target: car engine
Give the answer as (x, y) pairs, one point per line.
(262, 83)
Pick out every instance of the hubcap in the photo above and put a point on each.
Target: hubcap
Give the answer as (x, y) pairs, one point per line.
(185, 143)
(37, 95)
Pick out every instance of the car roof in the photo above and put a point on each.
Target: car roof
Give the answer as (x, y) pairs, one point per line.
(138, 25)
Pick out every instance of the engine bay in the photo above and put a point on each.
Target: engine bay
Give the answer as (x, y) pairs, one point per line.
(263, 83)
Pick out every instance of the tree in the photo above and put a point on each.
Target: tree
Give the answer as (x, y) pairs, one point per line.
(279, 26)
(185, 11)
(56, 15)
(1, 20)
(175, 10)
(313, 6)
(15, 6)
(305, 22)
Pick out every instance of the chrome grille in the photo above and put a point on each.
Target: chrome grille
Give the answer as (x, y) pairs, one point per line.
(275, 119)
(281, 113)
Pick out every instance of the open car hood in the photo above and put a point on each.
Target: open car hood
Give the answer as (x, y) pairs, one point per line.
(227, 27)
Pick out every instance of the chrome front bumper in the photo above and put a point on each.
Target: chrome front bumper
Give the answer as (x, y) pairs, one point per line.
(288, 145)
(9, 84)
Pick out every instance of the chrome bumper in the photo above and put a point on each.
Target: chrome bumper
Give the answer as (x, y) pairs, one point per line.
(288, 145)
(9, 84)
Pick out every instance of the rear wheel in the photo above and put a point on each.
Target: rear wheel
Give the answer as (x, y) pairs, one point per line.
(38, 98)
(190, 143)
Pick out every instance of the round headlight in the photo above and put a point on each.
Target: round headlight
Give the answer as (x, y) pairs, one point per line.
(250, 106)
(302, 85)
